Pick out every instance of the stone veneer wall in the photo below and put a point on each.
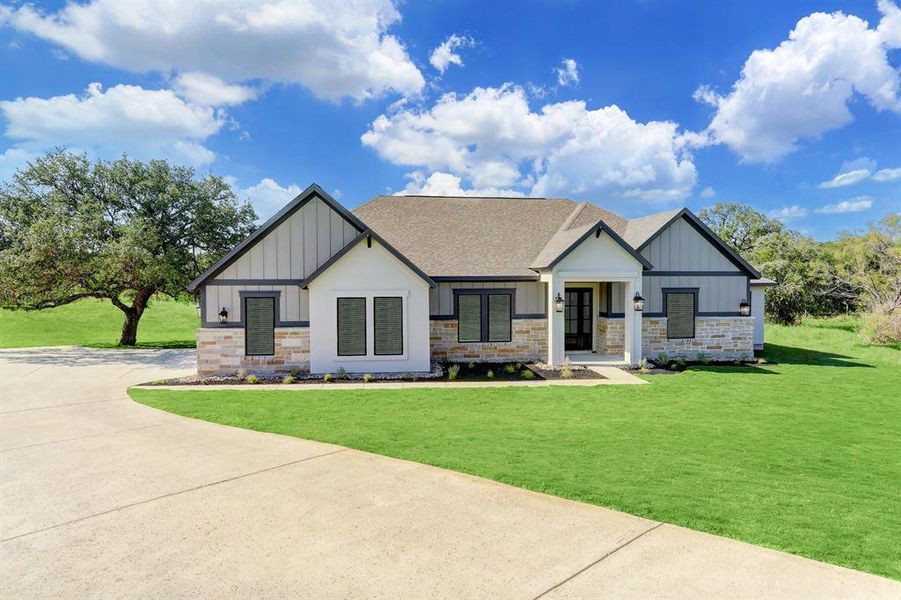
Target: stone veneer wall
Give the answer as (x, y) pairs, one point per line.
(611, 336)
(723, 338)
(529, 342)
(220, 351)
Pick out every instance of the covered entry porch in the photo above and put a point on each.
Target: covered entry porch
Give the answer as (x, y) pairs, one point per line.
(596, 328)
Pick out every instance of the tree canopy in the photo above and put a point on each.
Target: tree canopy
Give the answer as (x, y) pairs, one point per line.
(72, 228)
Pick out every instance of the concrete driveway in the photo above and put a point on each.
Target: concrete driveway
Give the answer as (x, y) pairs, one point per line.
(105, 498)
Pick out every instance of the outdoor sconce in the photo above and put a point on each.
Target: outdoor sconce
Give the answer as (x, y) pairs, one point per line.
(744, 309)
(558, 302)
(223, 316)
(199, 314)
(638, 302)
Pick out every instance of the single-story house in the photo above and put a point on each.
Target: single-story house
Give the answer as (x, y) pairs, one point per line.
(403, 280)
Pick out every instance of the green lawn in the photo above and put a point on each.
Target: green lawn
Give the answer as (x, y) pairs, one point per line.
(803, 456)
(96, 323)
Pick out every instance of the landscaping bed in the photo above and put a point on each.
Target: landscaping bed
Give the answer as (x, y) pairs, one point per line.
(441, 371)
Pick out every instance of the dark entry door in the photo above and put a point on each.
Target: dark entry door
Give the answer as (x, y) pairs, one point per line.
(577, 319)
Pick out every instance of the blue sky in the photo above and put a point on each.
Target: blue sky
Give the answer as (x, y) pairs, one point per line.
(794, 108)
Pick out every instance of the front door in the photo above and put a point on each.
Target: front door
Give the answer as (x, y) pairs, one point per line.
(577, 319)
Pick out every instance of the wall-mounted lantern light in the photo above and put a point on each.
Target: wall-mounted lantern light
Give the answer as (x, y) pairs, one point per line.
(223, 316)
(558, 302)
(199, 314)
(744, 309)
(638, 302)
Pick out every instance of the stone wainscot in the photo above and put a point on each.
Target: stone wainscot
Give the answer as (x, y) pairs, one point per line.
(529, 342)
(719, 338)
(220, 351)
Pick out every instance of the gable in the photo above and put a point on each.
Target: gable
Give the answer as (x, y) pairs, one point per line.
(296, 247)
(599, 253)
(681, 247)
(371, 261)
(291, 245)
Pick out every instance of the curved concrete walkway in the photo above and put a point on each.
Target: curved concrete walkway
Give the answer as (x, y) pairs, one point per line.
(101, 497)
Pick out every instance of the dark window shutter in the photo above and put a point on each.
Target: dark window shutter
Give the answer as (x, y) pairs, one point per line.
(680, 315)
(388, 325)
(259, 326)
(500, 315)
(351, 326)
(469, 317)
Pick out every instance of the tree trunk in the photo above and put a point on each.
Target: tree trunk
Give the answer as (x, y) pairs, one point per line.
(133, 314)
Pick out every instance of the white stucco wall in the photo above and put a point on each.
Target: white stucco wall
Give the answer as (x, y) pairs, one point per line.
(368, 272)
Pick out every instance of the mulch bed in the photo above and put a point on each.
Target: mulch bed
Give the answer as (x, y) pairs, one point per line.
(440, 372)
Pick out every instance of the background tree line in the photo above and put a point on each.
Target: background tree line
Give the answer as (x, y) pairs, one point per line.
(857, 273)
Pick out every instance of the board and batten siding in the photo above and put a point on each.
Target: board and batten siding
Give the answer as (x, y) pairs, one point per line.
(291, 251)
(680, 247)
(294, 303)
(530, 296)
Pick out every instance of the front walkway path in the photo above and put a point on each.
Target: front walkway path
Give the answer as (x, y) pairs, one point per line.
(101, 497)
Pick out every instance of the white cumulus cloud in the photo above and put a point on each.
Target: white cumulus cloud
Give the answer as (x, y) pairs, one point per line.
(788, 212)
(446, 53)
(267, 196)
(858, 204)
(445, 184)
(884, 175)
(848, 178)
(492, 139)
(707, 193)
(801, 89)
(208, 90)
(333, 48)
(124, 118)
(567, 72)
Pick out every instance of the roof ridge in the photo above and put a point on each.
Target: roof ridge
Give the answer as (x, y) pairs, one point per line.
(580, 207)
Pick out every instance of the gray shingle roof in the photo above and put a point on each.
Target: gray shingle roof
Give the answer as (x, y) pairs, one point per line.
(472, 236)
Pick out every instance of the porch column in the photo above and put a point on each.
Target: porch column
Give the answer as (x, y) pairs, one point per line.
(555, 285)
(633, 325)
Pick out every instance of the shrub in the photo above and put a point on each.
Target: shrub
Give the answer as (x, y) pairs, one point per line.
(702, 358)
(510, 369)
(240, 373)
(643, 365)
(453, 371)
(662, 359)
(567, 371)
(252, 379)
(471, 365)
(527, 374)
(881, 329)
(489, 374)
(327, 377)
(367, 377)
(295, 372)
(342, 373)
(679, 364)
(288, 379)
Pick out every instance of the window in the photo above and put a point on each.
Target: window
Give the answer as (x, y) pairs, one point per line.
(680, 314)
(500, 317)
(259, 326)
(469, 317)
(484, 316)
(351, 326)
(388, 325)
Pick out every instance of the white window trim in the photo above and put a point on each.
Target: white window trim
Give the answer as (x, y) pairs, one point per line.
(369, 295)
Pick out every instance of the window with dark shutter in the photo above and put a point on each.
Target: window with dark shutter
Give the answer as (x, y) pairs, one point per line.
(259, 326)
(680, 315)
(351, 326)
(500, 317)
(469, 317)
(388, 325)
